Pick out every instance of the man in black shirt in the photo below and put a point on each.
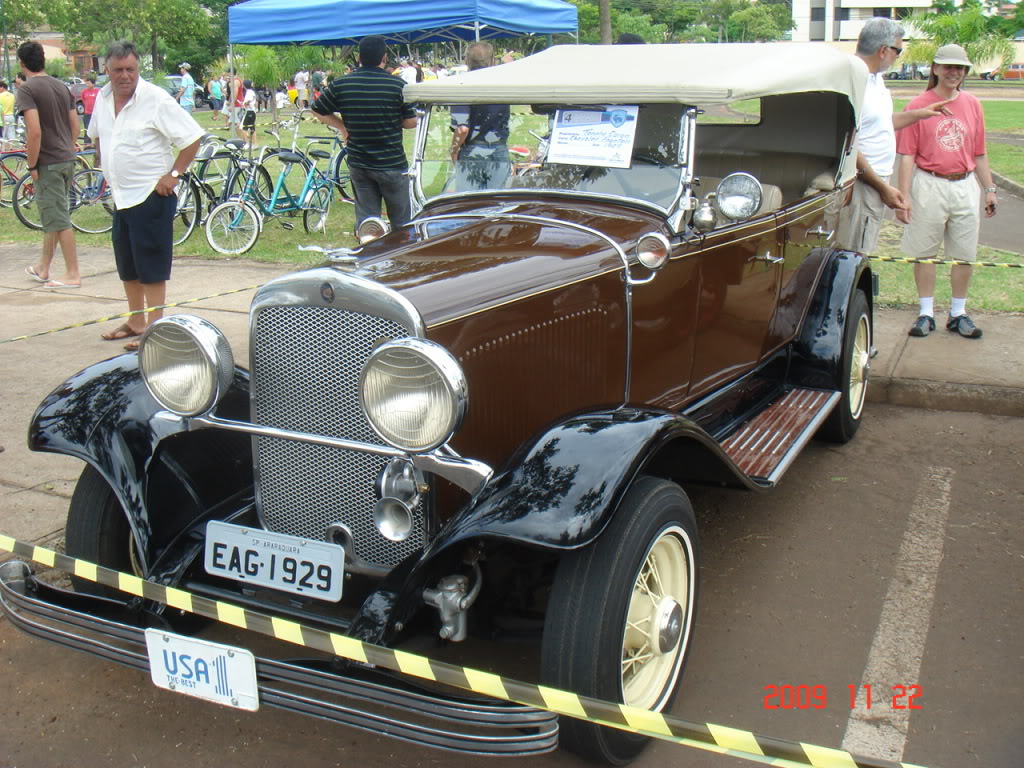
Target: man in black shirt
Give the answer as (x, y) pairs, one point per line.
(479, 144)
(371, 116)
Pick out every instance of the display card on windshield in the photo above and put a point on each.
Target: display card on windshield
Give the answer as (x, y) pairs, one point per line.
(600, 136)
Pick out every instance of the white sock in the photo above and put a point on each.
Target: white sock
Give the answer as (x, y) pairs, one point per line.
(957, 307)
(927, 306)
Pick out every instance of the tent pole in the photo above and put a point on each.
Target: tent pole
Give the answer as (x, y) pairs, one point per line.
(230, 95)
(476, 29)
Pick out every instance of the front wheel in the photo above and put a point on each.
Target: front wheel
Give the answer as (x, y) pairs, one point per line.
(844, 421)
(233, 227)
(24, 198)
(91, 204)
(98, 531)
(314, 217)
(621, 614)
(187, 210)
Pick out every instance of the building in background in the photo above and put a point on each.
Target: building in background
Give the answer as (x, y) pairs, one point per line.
(842, 20)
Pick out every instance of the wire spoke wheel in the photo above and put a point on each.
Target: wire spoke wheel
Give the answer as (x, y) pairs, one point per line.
(852, 380)
(232, 227)
(14, 166)
(186, 212)
(314, 217)
(25, 207)
(90, 203)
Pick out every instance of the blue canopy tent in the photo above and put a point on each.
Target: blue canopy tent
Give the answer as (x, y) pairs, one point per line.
(344, 22)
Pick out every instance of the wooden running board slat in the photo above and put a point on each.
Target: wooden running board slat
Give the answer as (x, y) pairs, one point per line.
(764, 446)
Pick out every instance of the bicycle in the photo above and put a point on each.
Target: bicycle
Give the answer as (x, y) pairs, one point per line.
(91, 202)
(234, 226)
(13, 165)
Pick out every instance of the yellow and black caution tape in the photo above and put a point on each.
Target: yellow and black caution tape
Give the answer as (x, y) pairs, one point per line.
(720, 739)
(107, 319)
(1007, 265)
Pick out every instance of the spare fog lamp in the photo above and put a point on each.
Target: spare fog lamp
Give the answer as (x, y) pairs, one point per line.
(393, 519)
(739, 196)
(186, 364)
(413, 393)
(652, 250)
(371, 228)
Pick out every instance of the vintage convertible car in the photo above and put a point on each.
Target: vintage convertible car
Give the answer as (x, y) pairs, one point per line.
(482, 424)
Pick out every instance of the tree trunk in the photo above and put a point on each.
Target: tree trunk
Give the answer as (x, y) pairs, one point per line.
(606, 22)
(155, 55)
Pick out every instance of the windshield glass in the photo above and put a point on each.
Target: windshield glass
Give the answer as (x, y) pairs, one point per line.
(625, 151)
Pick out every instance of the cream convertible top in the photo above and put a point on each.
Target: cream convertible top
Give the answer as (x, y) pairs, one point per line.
(700, 74)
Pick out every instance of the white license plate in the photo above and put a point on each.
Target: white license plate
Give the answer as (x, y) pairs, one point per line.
(220, 673)
(275, 560)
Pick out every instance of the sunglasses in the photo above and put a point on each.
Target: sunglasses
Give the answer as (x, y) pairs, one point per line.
(899, 51)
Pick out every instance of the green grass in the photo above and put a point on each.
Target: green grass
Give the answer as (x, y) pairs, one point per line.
(992, 288)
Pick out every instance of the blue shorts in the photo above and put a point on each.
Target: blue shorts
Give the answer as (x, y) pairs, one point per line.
(143, 239)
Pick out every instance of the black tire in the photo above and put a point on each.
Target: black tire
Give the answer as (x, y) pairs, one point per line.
(586, 637)
(844, 421)
(79, 108)
(317, 211)
(262, 190)
(215, 171)
(91, 203)
(15, 166)
(342, 178)
(25, 207)
(187, 210)
(98, 531)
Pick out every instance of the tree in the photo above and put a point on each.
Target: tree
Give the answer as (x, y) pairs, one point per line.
(262, 65)
(968, 28)
(755, 23)
(606, 21)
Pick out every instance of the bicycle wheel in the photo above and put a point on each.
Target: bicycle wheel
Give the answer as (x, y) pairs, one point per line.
(186, 214)
(90, 203)
(294, 182)
(15, 165)
(261, 190)
(233, 227)
(342, 178)
(215, 171)
(25, 207)
(314, 217)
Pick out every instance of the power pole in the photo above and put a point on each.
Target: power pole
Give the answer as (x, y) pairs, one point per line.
(606, 22)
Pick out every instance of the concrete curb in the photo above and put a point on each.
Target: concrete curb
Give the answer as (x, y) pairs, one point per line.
(1009, 185)
(947, 396)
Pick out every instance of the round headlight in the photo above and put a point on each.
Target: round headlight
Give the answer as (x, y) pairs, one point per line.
(652, 250)
(414, 394)
(739, 196)
(186, 363)
(371, 228)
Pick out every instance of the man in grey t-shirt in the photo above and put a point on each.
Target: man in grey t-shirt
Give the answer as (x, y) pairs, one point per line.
(51, 125)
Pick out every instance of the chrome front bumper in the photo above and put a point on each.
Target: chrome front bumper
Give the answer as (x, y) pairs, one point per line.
(368, 698)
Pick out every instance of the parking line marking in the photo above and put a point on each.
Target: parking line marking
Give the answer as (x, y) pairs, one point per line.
(898, 646)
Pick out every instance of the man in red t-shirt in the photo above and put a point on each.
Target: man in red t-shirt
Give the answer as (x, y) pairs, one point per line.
(89, 94)
(942, 164)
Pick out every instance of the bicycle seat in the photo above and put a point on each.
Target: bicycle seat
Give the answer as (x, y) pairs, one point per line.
(290, 157)
(321, 154)
(234, 143)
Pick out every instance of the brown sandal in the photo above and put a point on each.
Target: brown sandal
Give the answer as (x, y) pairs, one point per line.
(123, 331)
(132, 346)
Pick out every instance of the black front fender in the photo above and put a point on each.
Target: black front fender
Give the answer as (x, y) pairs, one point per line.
(163, 475)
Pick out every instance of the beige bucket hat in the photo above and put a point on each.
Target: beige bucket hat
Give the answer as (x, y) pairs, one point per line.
(951, 54)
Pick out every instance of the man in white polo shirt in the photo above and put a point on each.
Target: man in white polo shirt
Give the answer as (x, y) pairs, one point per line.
(134, 127)
(879, 45)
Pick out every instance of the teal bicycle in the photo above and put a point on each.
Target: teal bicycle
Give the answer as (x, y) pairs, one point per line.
(234, 226)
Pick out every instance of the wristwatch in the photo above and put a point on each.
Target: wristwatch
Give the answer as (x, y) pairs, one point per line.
(991, 189)
(174, 174)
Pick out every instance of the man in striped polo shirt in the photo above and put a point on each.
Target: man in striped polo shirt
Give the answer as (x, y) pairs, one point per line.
(371, 116)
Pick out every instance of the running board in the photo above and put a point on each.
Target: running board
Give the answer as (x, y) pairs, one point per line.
(765, 446)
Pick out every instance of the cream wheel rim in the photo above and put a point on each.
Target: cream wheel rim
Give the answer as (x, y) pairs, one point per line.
(860, 365)
(658, 621)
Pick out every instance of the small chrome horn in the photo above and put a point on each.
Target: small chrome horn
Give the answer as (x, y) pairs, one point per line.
(393, 519)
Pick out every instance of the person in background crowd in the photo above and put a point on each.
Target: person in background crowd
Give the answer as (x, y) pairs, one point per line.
(879, 45)
(7, 102)
(317, 79)
(236, 96)
(51, 127)
(479, 147)
(187, 90)
(142, 171)
(215, 89)
(249, 112)
(407, 72)
(89, 94)
(280, 98)
(302, 89)
(943, 169)
(371, 117)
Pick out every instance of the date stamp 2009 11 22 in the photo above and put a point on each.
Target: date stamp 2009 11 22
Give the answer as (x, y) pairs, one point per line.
(816, 696)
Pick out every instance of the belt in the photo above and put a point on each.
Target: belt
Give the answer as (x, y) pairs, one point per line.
(949, 176)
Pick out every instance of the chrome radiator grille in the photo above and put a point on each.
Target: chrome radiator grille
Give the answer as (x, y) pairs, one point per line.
(305, 377)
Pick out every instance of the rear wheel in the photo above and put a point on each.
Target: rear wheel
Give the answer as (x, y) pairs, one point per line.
(15, 165)
(215, 171)
(233, 227)
(844, 421)
(261, 190)
(25, 207)
(91, 204)
(314, 217)
(186, 212)
(621, 615)
(341, 177)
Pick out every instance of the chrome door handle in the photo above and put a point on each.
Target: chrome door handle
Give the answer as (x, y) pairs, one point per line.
(819, 232)
(767, 257)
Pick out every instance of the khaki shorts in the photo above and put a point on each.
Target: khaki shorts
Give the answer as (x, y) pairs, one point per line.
(860, 224)
(944, 213)
(52, 195)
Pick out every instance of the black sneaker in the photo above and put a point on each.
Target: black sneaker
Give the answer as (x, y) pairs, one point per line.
(924, 325)
(964, 326)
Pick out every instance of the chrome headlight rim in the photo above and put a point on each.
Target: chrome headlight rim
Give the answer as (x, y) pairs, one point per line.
(653, 259)
(722, 200)
(215, 354)
(371, 228)
(450, 374)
